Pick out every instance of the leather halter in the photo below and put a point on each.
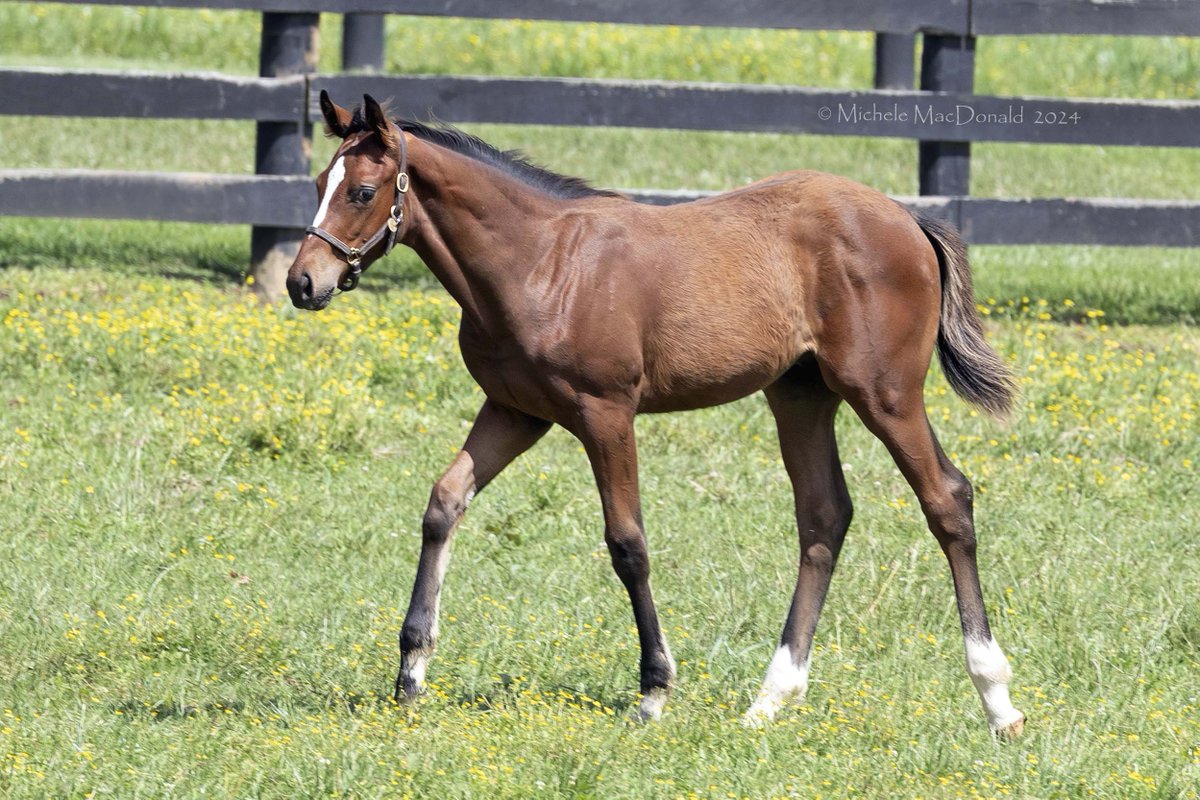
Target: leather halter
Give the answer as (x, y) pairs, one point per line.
(387, 234)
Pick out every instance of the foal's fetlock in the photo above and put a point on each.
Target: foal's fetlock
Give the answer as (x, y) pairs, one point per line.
(786, 682)
(410, 683)
(416, 648)
(657, 681)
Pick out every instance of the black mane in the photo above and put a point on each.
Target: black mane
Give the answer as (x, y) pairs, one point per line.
(511, 162)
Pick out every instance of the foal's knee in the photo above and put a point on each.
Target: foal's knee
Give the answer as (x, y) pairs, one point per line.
(823, 526)
(627, 549)
(828, 518)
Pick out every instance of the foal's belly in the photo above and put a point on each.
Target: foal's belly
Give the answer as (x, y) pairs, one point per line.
(691, 392)
(720, 339)
(707, 365)
(679, 379)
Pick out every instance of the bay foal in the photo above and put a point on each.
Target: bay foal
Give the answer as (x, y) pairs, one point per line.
(583, 309)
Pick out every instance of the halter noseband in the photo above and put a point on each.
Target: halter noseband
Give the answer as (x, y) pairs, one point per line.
(386, 234)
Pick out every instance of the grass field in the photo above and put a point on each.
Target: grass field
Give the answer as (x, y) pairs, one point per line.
(212, 507)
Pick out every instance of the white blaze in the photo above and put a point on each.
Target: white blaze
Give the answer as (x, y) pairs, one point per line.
(337, 174)
(990, 673)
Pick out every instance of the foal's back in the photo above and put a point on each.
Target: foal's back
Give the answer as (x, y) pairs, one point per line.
(733, 290)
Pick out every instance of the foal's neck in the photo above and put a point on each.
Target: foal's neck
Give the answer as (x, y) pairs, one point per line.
(478, 230)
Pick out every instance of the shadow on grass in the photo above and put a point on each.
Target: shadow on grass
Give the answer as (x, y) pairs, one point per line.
(507, 689)
(503, 693)
(170, 710)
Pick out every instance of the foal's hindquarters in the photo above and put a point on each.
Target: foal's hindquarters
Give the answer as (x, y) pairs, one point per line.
(876, 310)
(843, 299)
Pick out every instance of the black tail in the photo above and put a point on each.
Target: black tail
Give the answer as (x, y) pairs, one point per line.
(973, 369)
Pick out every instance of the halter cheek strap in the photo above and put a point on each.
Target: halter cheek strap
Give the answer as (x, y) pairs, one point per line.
(387, 234)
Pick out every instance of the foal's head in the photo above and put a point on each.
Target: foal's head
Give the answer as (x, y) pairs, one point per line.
(362, 196)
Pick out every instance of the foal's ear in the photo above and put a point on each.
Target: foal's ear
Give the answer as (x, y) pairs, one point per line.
(378, 122)
(337, 119)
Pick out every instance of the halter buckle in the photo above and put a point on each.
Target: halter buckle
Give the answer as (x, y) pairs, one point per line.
(395, 217)
(402, 182)
(354, 257)
(350, 282)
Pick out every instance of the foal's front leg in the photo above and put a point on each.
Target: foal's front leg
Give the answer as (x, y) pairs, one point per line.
(606, 431)
(498, 436)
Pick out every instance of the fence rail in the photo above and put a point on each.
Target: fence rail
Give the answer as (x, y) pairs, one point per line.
(940, 116)
(945, 116)
(288, 201)
(49, 92)
(1124, 17)
(975, 18)
(274, 201)
(912, 16)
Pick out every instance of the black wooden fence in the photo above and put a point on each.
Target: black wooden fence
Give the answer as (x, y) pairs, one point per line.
(943, 114)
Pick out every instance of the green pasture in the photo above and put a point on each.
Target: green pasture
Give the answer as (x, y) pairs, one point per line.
(211, 507)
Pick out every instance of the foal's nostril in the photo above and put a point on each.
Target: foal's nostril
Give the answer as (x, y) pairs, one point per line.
(306, 287)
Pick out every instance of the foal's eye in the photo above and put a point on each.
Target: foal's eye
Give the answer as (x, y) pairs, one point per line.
(363, 194)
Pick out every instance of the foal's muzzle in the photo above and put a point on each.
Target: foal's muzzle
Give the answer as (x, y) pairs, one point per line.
(304, 295)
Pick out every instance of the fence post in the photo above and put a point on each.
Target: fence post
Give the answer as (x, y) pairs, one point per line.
(947, 65)
(362, 42)
(894, 60)
(288, 47)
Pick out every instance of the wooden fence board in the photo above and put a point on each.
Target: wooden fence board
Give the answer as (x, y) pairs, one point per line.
(103, 93)
(654, 104)
(1119, 17)
(281, 200)
(994, 220)
(979, 17)
(1100, 221)
(731, 107)
(287, 201)
(948, 16)
(290, 201)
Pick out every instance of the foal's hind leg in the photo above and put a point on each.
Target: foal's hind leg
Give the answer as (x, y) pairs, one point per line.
(804, 410)
(895, 412)
(498, 436)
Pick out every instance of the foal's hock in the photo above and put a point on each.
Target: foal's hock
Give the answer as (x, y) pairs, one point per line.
(582, 308)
